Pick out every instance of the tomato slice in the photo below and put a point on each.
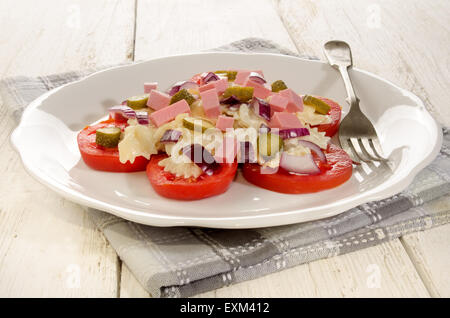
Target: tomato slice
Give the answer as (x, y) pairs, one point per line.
(337, 171)
(179, 188)
(335, 114)
(105, 159)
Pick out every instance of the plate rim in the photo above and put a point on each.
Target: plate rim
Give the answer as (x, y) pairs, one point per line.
(251, 221)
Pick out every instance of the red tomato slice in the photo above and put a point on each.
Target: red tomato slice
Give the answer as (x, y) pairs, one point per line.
(170, 186)
(105, 159)
(337, 171)
(335, 114)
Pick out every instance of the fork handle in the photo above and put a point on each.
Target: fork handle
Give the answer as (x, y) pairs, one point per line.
(352, 99)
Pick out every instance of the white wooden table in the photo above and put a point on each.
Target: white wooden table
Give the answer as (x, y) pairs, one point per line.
(48, 245)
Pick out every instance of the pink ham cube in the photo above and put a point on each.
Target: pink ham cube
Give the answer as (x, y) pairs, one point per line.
(166, 114)
(278, 103)
(242, 76)
(220, 85)
(158, 100)
(295, 101)
(148, 87)
(259, 90)
(210, 103)
(206, 87)
(285, 121)
(226, 152)
(224, 122)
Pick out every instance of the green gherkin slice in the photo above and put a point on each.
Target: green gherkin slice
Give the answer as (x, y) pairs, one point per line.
(269, 144)
(244, 94)
(137, 102)
(320, 106)
(278, 86)
(108, 137)
(231, 75)
(197, 124)
(182, 94)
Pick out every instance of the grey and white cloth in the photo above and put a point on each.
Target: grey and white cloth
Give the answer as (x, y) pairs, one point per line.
(182, 261)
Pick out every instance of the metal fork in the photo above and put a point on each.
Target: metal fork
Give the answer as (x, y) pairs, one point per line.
(357, 134)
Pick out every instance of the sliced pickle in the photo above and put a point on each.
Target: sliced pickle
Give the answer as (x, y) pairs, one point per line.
(197, 124)
(278, 86)
(244, 94)
(137, 102)
(108, 137)
(269, 144)
(182, 94)
(320, 106)
(231, 75)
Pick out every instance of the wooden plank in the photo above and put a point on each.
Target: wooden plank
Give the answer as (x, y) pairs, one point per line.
(430, 254)
(48, 246)
(403, 41)
(172, 26)
(343, 276)
(129, 286)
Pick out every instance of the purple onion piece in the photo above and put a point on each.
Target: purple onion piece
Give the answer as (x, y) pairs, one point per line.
(175, 88)
(123, 110)
(299, 164)
(247, 152)
(261, 107)
(170, 135)
(232, 100)
(182, 85)
(142, 118)
(201, 157)
(124, 103)
(314, 148)
(129, 113)
(293, 132)
(209, 77)
(189, 85)
(256, 77)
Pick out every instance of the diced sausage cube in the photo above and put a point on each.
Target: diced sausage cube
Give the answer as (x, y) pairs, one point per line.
(158, 100)
(285, 121)
(224, 122)
(295, 101)
(166, 114)
(210, 103)
(148, 87)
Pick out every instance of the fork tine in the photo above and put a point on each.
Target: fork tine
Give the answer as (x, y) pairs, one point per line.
(364, 145)
(376, 148)
(348, 147)
(355, 144)
(344, 142)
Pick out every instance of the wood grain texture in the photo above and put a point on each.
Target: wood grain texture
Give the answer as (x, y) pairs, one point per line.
(430, 253)
(172, 27)
(129, 286)
(406, 42)
(48, 245)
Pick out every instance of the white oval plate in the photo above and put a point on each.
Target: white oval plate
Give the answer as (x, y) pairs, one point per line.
(46, 141)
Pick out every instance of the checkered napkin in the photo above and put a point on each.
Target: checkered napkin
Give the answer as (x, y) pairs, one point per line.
(181, 262)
